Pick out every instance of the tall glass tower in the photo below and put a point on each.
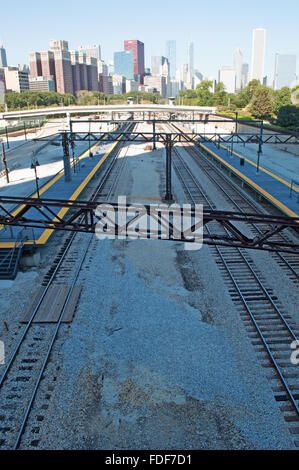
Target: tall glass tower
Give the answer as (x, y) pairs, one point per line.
(238, 64)
(170, 53)
(285, 70)
(137, 48)
(124, 64)
(258, 54)
(3, 59)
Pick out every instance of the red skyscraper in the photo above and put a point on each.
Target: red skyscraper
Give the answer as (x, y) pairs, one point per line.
(137, 48)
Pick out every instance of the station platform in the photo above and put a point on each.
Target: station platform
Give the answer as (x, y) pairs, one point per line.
(56, 188)
(281, 193)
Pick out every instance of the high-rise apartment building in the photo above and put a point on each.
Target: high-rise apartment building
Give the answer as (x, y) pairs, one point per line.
(119, 84)
(157, 83)
(15, 80)
(244, 76)
(35, 64)
(105, 84)
(91, 51)
(124, 64)
(285, 70)
(83, 71)
(59, 45)
(2, 85)
(170, 53)
(227, 75)
(258, 54)
(238, 63)
(75, 71)
(102, 67)
(137, 48)
(41, 84)
(160, 66)
(92, 73)
(3, 58)
(47, 64)
(54, 64)
(63, 71)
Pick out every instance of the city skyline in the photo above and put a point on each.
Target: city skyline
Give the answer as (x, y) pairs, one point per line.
(207, 61)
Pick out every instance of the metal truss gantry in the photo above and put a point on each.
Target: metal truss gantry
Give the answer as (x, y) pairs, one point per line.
(169, 139)
(83, 218)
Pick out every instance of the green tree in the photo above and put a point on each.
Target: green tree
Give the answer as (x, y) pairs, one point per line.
(204, 85)
(282, 97)
(220, 95)
(262, 102)
(251, 88)
(288, 116)
(204, 97)
(243, 98)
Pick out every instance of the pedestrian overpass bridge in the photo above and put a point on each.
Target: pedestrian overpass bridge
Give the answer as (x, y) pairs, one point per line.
(148, 110)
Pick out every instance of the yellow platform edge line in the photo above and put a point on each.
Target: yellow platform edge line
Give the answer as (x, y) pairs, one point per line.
(255, 165)
(267, 195)
(47, 233)
(262, 169)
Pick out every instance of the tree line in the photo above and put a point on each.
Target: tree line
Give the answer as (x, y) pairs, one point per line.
(32, 99)
(259, 101)
(256, 100)
(37, 99)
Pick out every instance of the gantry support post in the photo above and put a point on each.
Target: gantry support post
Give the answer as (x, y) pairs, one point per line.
(66, 158)
(154, 134)
(72, 145)
(168, 146)
(7, 140)
(5, 162)
(260, 147)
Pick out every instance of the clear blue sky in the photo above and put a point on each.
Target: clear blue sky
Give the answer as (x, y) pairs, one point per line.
(216, 27)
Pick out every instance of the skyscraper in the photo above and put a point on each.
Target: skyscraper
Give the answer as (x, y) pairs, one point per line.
(63, 71)
(171, 56)
(238, 63)
(63, 66)
(258, 54)
(15, 80)
(245, 70)
(58, 45)
(124, 64)
(2, 85)
(3, 59)
(285, 70)
(76, 71)
(47, 64)
(137, 48)
(91, 51)
(191, 59)
(160, 66)
(35, 64)
(227, 75)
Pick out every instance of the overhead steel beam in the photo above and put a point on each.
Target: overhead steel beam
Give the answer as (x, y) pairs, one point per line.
(42, 213)
(178, 137)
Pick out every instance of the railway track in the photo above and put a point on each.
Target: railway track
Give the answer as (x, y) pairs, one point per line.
(27, 365)
(289, 262)
(271, 330)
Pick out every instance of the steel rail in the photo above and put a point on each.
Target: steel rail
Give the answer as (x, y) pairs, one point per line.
(262, 337)
(192, 150)
(45, 362)
(30, 322)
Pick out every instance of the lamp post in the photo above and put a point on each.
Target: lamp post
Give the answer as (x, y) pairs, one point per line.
(6, 133)
(4, 161)
(34, 164)
(260, 147)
